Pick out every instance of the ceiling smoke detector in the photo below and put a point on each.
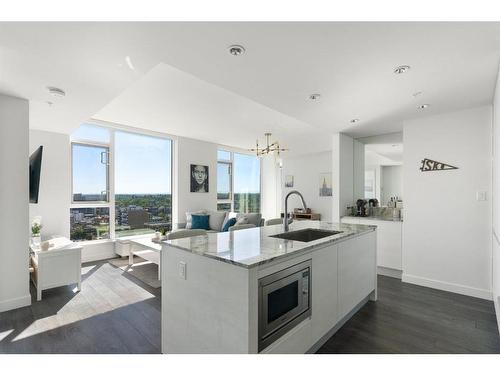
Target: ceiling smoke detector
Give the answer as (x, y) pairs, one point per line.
(54, 91)
(401, 69)
(354, 120)
(236, 50)
(423, 106)
(314, 96)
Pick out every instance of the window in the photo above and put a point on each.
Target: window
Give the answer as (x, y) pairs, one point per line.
(369, 184)
(143, 169)
(238, 182)
(224, 181)
(90, 173)
(246, 183)
(137, 200)
(89, 223)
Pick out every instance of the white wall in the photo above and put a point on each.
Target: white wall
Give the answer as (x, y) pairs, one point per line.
(447, 235)
(14, 192)
(55, 179)
(391, 183)
(496, 201)
(306, 170)
(191, 151)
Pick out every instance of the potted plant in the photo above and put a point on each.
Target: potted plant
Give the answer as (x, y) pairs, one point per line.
(36, 228)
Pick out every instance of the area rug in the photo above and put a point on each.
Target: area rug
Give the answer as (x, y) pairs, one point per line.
(142, 269)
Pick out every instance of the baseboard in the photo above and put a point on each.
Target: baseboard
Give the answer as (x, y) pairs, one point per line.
(390, 272)
(496, 302)
(15, 303)
(448, 287)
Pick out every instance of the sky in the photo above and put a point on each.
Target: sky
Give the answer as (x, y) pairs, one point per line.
(143, 165)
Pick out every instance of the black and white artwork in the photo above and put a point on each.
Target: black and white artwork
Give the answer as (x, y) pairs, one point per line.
(199, 178)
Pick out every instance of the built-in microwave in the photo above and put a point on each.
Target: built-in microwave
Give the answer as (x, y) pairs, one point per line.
(284, 301)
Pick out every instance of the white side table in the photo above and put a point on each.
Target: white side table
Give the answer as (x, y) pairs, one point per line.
(58, 266)
(146, 249)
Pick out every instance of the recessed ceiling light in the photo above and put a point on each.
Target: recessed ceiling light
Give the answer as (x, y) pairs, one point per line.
(236, 50)
(314, 96)
(354, 120)
(423, 106)
(54, 91)
(401, 69)
(415, 94)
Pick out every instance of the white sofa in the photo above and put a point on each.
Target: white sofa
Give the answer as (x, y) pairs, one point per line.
(217, 219)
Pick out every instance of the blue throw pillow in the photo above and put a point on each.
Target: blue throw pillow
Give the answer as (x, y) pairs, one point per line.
(228, 224)
(200, 222)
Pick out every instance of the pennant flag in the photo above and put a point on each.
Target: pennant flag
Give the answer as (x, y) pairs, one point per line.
(429, 165)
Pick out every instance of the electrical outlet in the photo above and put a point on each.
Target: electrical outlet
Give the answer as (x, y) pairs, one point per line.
(481, 195)
(182, 270)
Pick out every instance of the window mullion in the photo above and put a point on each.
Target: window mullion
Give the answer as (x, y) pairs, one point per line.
(111, 185)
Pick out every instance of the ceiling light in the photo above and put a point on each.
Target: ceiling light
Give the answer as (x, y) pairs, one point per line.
(417, 94)
(314, 96)
(354, 120)
(236, 50)
(54, 91)
(271, 147)
(423, 106)
(401, 69)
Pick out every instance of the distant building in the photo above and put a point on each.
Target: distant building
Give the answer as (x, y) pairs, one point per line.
(137, 218)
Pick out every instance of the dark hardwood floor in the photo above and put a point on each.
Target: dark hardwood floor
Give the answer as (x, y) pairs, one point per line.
(412, 319)
(116, 313)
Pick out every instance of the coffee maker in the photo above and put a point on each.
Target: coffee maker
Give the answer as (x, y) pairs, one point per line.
(361, 207)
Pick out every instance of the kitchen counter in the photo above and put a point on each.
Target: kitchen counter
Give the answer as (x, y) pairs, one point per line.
(253, 247)
(215, 288)
(382, 218)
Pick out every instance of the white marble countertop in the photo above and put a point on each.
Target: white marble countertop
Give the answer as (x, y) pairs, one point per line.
(252, 247)
(379, 218)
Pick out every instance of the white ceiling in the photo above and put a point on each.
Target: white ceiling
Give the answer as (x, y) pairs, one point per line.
(454, 65)
(167, 99)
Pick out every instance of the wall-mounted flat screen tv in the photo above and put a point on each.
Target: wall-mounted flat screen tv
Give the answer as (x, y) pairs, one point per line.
(35, 168)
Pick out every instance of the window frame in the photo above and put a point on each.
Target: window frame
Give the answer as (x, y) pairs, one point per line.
(108, 179)
(233, 151)
(229, 163)
(110, 203)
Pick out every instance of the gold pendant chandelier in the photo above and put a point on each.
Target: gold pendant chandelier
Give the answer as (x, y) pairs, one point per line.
(270, 147)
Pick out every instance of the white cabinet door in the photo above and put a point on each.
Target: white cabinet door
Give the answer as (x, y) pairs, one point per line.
(389, 245)
(324, 295)
(357, 271)
(389, 242)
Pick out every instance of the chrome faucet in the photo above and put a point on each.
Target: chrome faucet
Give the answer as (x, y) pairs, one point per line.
(285, 219)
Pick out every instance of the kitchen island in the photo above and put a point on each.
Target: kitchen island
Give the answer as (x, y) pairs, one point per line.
(249, 292)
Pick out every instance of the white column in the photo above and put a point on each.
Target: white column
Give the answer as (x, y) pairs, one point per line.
(14, 222)
(348, 172)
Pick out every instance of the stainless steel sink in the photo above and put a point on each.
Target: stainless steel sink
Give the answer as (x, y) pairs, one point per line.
(306, 235)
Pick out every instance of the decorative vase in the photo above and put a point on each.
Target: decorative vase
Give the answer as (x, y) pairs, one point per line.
(35, 240)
